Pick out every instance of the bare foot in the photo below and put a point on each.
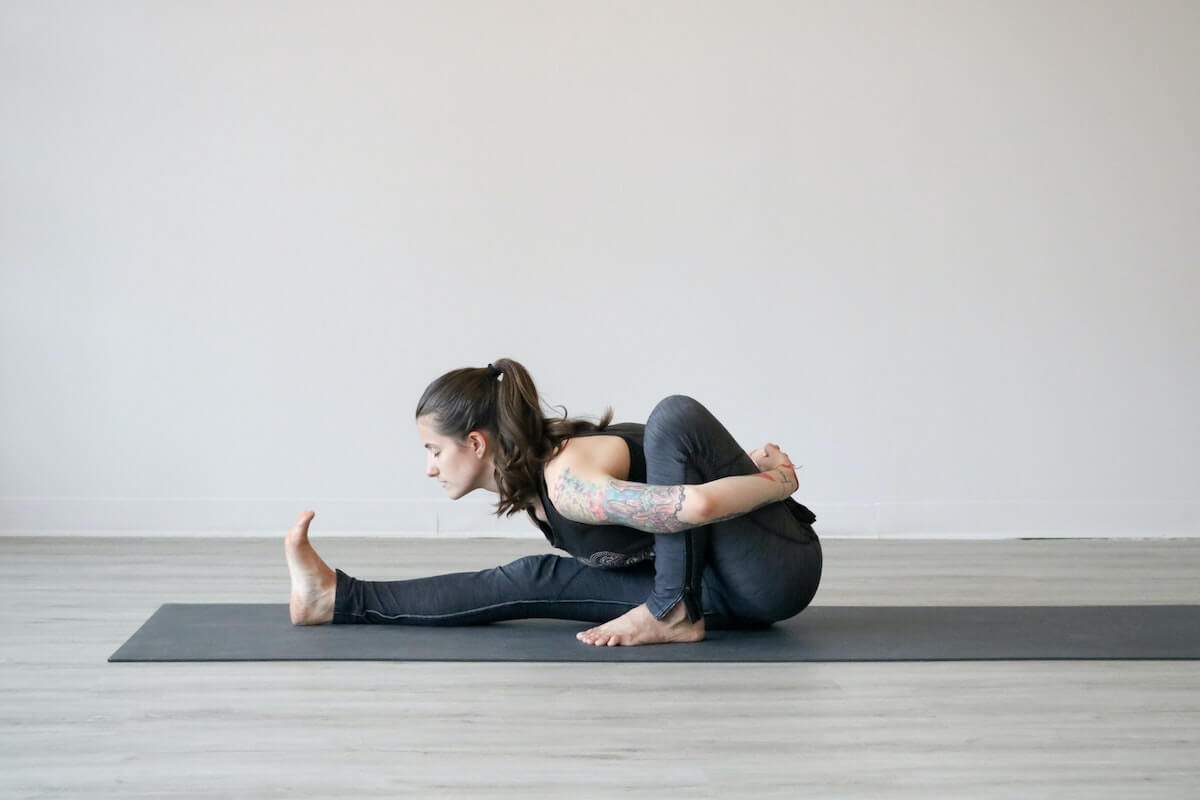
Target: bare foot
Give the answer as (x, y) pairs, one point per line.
(638, 626)
(314, 584)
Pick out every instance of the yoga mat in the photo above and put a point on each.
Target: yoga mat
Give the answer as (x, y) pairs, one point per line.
(264, 632)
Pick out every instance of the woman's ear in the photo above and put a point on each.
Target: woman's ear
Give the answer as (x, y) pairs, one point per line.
(480, 445)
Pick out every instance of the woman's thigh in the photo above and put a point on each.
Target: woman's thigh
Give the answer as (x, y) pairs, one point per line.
(761, 573)
(764, 564)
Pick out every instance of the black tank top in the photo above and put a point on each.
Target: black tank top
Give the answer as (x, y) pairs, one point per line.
(616, 545)
(601, 545)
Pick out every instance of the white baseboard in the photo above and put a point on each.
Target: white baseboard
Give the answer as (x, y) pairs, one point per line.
(470, 518)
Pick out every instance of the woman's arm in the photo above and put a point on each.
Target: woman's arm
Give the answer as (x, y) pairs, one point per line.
(740, 494)
(588, 495)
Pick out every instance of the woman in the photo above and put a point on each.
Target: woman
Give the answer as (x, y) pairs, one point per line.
(671, 525)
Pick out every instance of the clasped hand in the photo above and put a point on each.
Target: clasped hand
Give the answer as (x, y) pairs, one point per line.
(770, 457)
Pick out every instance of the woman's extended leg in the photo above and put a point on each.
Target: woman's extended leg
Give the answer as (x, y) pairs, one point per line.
(532, 586)
(535, 586)
(545, 585)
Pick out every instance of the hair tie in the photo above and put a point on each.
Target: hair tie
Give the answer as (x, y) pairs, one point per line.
(494, 371)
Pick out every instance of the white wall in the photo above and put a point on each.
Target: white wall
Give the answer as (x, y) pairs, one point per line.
(945, 253)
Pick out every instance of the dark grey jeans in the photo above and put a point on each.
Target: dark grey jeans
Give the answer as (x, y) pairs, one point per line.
(745, 572)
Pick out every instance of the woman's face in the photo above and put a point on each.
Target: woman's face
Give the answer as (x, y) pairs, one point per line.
(458, 466)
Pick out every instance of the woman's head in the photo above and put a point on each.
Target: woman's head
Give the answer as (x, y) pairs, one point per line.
(485, 430)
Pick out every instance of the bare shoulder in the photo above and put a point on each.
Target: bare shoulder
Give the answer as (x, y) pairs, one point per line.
(576, 488)
(584, 472)
(574, 457)
(574, 460)
(596, 456)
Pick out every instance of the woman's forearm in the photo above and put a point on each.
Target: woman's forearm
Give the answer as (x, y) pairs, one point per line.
(736, 495)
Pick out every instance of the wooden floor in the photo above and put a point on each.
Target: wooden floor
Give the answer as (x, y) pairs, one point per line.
(73, 725)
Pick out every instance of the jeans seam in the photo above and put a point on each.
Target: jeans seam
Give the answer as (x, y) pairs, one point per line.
(480, 608)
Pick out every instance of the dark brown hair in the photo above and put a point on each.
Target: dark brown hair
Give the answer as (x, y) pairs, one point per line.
(509, 408)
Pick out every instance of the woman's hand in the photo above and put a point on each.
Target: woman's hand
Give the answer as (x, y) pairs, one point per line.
(769, 457)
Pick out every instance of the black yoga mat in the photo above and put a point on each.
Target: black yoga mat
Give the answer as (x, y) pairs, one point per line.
(264, 632)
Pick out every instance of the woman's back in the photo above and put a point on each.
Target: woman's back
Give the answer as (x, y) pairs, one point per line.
(602, 545)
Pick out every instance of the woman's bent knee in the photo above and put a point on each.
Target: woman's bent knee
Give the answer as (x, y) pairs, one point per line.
(676, 405)
(674, 415)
